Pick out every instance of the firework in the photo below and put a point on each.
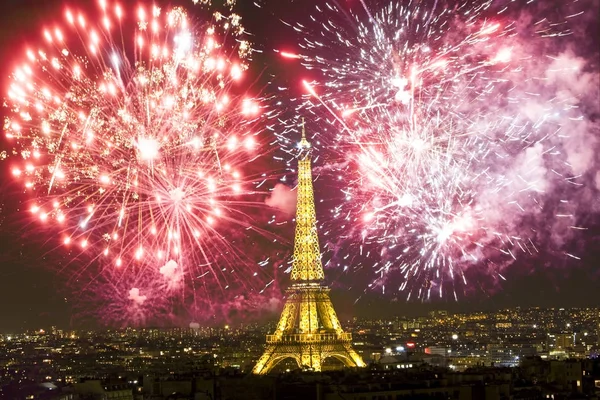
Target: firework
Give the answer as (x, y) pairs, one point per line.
(121, 300)
(135, 140)
(452, 122)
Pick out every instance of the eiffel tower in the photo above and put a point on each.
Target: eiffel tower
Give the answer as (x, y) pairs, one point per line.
(309, 330)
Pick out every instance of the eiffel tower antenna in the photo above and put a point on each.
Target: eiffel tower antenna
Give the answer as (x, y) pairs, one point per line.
(304, 143)
(308, 330)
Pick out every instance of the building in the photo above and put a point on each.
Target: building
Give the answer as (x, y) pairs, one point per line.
(309, 330)
(563, 341)
(103, 391)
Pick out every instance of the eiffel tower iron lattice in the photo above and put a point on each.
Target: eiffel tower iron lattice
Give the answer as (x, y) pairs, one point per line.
(308, 330)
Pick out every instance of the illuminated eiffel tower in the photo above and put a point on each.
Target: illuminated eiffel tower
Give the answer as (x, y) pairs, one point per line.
(309, 330)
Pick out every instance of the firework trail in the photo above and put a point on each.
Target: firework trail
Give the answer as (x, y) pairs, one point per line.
(135, 139)
(454, 126)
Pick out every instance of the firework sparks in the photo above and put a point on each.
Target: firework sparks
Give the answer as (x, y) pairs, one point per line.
(134, 139)
(451, 132)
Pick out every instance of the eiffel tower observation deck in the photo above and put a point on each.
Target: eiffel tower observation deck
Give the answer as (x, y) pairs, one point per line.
(309, 330)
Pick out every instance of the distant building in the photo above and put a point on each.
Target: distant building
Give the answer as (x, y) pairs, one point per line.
(437, 350)
(396, 362)
(103, 391)
(462, 363)
(501, 356)
(563, 341)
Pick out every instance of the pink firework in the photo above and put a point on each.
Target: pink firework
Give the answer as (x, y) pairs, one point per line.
(455, 130)
(134, 138)
(120, 300)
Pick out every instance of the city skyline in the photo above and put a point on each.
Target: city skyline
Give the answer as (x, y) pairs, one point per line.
(34, 289)
(574, 319)
(539, 351)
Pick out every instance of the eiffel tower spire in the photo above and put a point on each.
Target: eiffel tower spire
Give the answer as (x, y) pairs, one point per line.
(309, 330)
(306, 265)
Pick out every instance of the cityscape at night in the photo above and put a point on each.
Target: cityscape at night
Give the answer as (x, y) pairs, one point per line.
(519, 353)
(285, 199)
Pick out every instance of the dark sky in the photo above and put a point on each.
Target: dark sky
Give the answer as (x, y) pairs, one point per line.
(30, 292)
(33, 293)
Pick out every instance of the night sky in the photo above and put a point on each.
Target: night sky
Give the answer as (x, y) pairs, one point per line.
(33, 292)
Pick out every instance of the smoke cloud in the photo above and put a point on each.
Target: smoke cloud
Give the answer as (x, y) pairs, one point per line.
(134, 294)
(283, 198)
(172, 273)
